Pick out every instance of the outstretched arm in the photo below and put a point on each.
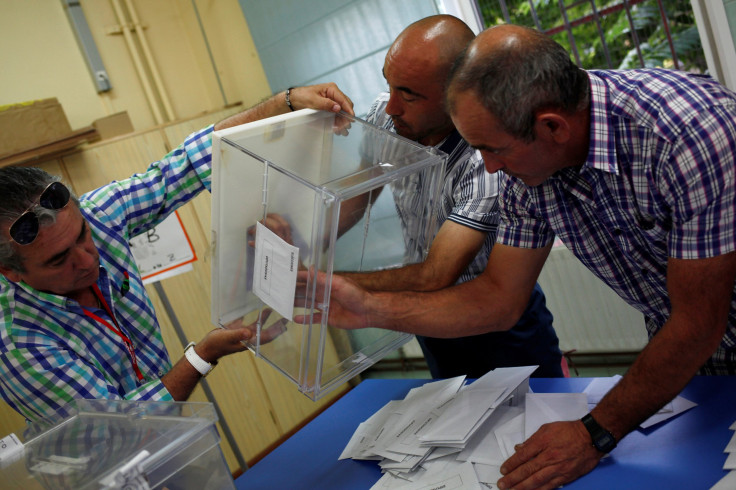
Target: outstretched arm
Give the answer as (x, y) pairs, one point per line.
(182, 378)
(700, 291)
(452, 250)
(494, 301)
(325, 97)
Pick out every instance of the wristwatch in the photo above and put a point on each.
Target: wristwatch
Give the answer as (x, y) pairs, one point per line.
(197, 362)
(602, 439)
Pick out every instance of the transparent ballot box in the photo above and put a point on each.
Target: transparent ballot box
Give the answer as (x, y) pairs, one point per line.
(313, 190)
(101, 444)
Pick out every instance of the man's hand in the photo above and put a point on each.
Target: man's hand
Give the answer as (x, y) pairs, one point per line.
(221, 342)
(325, 96)
(268, 333)
(277, 224)
(557, 453)
(347, 308)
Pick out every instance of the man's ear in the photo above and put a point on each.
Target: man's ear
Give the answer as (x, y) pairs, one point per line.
(552, 127)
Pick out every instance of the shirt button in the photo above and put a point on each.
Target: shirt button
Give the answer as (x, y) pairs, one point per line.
(160, 373)
(617, 231)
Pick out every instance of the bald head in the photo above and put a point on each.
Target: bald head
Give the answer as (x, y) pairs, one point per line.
(515, 71)
(416, 69)
(436, 40)
(507, 38)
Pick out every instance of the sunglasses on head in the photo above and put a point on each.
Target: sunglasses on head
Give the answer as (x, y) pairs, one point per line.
(25, 228)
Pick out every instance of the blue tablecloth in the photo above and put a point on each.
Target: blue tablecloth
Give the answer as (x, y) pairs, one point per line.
(685, 452)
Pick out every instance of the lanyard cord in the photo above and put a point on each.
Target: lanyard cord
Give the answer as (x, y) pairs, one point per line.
(116, 329)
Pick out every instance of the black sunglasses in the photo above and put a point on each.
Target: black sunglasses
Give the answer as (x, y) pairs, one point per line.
(25, 229)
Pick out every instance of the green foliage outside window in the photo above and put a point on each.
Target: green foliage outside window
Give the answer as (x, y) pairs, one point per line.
(619, 37)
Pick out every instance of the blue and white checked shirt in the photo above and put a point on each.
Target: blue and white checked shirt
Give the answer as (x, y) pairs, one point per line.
(659, 182)
(469, 193)
(50, 351)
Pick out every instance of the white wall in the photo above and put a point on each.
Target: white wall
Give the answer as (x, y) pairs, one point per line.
(344, 41)
(40, 58)
(589, 317)
(716, 20)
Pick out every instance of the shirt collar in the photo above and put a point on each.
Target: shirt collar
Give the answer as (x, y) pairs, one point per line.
(602, 151)
(56, 299)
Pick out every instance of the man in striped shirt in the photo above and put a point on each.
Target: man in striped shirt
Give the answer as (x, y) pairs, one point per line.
(76, 320)
(416, 67)
(635, 171)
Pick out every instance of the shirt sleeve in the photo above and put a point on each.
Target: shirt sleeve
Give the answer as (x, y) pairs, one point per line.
(144, 200)
(475, 196)
(39, 378)
(519, 227)
(699, 183)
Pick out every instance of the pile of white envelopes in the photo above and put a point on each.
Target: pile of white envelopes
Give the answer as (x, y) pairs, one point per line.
(449, 434)
(728, 482)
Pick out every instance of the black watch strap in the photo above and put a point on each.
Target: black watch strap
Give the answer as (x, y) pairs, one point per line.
(602, 439)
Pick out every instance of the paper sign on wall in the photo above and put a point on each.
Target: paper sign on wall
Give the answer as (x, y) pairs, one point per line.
(163, 251)
(274, 274)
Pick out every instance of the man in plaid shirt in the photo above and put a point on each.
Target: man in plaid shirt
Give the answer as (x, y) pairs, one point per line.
(635, 172)
(76, 320)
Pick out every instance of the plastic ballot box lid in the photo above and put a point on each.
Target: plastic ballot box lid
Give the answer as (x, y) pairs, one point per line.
(118, 444)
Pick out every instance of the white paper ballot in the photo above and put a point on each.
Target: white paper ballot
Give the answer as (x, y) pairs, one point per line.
(675, 407)
(730, 463)
(448, 475)
(488, 475)
(274, 274)
(598, 388)
(728, 482)
(473, 404)
(483, 448)
(544, 408)
(731, 446)
(509, 435)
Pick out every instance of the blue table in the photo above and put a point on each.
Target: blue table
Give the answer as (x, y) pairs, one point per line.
(685, 452)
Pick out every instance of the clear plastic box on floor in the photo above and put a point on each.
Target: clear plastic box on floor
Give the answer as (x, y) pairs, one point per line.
(100, 444)
(313, 189)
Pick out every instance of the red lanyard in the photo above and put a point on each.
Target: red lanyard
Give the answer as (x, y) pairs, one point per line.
(116, 329)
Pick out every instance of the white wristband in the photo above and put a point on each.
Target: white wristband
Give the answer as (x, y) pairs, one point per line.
(197, 362)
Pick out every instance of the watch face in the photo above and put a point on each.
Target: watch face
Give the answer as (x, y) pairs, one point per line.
(605, 442)
(602, 439)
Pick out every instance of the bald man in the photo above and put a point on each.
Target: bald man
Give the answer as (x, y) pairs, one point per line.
(415, 68)
(635, 171)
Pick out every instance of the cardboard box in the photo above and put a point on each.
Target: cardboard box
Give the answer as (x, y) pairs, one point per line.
(30, 124)
(114, 125)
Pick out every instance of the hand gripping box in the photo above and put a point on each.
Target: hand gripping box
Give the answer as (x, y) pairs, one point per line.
(322, 191)
(101, 444)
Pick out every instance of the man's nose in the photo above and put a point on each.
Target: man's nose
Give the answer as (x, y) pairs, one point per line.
(393, 107)
(491, 162)
(83, 258)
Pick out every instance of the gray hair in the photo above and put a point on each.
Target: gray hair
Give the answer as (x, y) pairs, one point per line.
(514, 79)
(20, 188)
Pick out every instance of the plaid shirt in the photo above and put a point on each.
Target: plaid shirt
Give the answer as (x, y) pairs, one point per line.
(469, 193)
(50, 351)
(659, 182)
